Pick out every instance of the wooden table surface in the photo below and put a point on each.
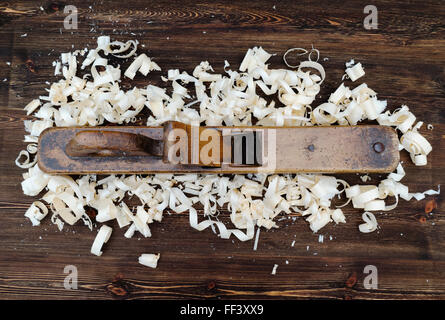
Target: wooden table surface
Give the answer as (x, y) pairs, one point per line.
(404, 61)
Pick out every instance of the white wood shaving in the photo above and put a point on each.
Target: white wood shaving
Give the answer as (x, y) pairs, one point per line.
(143, 64)
(370, 224)
(302, 52)
(274, 270)
(228, 99)
(257, 236)
(350, 63)
(36, 212)
(26, 163)
(355, 72)
(149, 259)
(102, 237)
(416, 145)
(32, 106)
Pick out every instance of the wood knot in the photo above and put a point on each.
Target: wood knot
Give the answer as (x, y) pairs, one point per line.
(116, 291)
(30, 65)
(430, 206)
(118, 276)
(352, 280)
(422, 219)
(55, 6)
(118, 287)
(211, 285)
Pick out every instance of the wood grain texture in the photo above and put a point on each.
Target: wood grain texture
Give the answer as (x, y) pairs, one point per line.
(404, 61)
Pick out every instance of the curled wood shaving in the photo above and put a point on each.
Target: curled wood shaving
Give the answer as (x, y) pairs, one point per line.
(228, 99)
(26, 163)
(370, 224)
(149, 259)
(143, 64)
(355, 72)
(102, 237)
(36, 212)
(274, 269)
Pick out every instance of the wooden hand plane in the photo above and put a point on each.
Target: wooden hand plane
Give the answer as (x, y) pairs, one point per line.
(180, 148)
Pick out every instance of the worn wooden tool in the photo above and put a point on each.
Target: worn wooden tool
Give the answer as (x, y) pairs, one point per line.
(180, 148)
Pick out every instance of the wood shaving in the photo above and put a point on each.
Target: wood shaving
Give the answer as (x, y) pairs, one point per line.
(149, 259)
(102, 237)
(355, 72)
(228, 99)
(274, 270)
(370, 224)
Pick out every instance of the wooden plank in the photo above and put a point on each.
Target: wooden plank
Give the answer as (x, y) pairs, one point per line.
(404, 61)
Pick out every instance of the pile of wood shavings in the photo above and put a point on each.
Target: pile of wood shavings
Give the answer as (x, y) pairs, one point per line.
(228, 99)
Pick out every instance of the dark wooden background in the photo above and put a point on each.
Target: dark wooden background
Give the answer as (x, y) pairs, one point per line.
(404, 61)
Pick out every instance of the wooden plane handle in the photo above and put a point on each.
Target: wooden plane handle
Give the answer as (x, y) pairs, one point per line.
(105, 143)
